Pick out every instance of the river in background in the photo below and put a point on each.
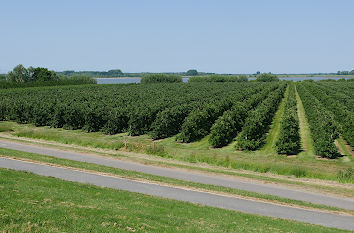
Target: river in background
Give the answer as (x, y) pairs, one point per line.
(137, 80)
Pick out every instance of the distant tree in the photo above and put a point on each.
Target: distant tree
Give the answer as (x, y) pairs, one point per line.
(19, 74)
(243, 78)
(115, 73)
(258, 72)
(68, 72)
(42, 74)
(192, 73)
(345, 72)
(267, 77)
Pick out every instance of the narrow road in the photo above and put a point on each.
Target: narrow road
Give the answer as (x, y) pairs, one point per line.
(232, 182)
(203, 198)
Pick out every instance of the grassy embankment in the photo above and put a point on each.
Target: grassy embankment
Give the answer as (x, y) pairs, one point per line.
(31, 203)
(196, 153)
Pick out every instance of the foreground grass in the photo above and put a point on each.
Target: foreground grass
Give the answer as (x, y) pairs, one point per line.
(164, 180)
(31, 203)
(198, 152)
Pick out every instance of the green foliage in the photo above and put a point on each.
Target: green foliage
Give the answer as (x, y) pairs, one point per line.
(192, 73)
(21, 75)
(161, 78)
(169, 121)
(199, 122)
(138, 109)
(40, 74)
(257, 124)
(345, 72)
(337, 98)
(227, 126)
(61, 81)
(230, 123)
(33, 77)
(3, 77)
(289, 137)
(219, 78)
(265, 77)
(197, 125)
(324, 129)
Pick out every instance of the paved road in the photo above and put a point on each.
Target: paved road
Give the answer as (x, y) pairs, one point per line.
(209, 199)
(232, 182)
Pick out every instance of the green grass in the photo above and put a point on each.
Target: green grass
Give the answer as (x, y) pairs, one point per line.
(305, 133)
(31, 203)
(274, 131)
(342, 144)
(196, 152)
(160, 179)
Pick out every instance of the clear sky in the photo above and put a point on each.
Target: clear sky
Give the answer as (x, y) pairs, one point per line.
(279, 36)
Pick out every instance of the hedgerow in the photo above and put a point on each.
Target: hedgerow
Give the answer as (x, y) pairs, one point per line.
(219, 78)
(161, 78)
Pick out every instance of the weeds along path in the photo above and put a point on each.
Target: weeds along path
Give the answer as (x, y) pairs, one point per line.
(275, 127)
(305, 133)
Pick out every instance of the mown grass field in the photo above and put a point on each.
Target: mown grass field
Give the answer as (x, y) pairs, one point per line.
(31, 203)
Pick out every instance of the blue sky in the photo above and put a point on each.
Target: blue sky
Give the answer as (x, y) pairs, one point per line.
(279, 36)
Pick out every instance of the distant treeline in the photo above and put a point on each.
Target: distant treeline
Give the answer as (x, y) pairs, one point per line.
(265, 77)
(110, 73)
(345, 72)
(62, 80)
(34, 77)
(118, 73)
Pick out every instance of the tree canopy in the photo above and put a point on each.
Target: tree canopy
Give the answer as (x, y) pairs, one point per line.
(267, 77)
(20, 74)
(192, 73)
(345, 72)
